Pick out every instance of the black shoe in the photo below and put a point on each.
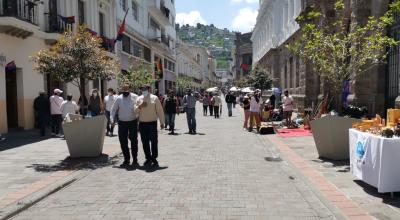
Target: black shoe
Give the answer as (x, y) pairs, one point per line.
(135, 164)
(155, 163)
(147, 163)
(124, 164)
(194, 132)
(190, 131)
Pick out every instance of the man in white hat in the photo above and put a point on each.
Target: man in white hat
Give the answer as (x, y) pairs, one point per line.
(56, 114)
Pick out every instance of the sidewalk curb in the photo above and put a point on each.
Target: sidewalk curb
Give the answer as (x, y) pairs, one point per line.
(324, 190)
(67, 178)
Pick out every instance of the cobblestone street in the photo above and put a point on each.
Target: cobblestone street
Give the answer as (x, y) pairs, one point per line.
(221, 173)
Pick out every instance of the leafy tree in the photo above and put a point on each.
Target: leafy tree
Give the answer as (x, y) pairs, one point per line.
(242, 82)
(76, 58)
(139, 74)
(183, 82)
(259, 78)
(340, 50)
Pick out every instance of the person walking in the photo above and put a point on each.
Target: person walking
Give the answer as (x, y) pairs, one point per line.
(255, 102)
(41, 105)
(109, 101)
(288, 104)
(230, 99)
(171, 108)
(272, 100)
(210, 105)
(95, 103)
(189, 103)
(246, 108)
(216, 100)
(56, 115)
(205, 104)
(69, 107)
(125, 107)
(149, 110)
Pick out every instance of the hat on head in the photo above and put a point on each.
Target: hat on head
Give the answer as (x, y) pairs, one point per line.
(58, 91)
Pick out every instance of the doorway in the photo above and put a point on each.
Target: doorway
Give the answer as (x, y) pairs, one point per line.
(12, 99)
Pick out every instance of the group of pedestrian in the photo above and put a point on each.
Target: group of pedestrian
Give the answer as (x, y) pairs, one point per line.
(138, 112)
(252, 106)
(212, 103)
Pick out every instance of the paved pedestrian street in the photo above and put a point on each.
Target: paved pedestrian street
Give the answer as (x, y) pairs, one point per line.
(221, 173)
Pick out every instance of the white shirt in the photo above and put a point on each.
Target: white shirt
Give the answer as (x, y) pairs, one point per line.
(109, 101)
(125, 107)
(288, 103)
(254, 106)
(55, 104)
(69, 107)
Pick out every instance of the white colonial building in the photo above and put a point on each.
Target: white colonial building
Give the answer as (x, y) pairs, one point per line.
(25, 28)
(150, 36)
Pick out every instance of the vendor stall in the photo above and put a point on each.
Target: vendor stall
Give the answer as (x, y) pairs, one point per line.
(375, 160)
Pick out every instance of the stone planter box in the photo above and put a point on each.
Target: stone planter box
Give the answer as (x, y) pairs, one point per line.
(331, 136)
(85, 137)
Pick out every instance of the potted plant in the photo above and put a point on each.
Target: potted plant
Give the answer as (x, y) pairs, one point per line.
(76, 58)
(340, 51)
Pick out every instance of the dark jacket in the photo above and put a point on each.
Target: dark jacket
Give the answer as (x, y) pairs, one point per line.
(41, 105)
(171, 104)
(230, 98)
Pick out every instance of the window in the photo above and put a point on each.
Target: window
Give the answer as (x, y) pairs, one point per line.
(153, 25)
(101, 24)
(297, 72)
(123, 4)
(81, 12)
(147, 54)
(135, 10)
(126, 44)
(291, 84)
(137, 49)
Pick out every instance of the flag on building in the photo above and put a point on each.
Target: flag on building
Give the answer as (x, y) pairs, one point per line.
(121, 29)
(67, 20)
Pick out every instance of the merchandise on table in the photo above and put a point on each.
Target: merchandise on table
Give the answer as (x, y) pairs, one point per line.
(378, 126)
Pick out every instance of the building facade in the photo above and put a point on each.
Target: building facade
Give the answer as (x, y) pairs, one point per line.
(150, 36)
(277, 27)
(242, 55)
(25, 28)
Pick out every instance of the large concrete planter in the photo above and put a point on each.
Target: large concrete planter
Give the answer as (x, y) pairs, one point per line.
(85, 138)
(331, 136)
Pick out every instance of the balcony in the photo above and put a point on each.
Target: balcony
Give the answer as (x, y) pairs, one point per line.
(19, 18)
(161, 14)
(54, 24)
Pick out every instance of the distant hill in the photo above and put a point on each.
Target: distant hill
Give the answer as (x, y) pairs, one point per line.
(218, 41)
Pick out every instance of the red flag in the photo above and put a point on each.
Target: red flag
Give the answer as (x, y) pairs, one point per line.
(121, 28)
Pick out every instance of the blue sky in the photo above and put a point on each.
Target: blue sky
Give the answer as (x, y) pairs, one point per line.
(236, 15)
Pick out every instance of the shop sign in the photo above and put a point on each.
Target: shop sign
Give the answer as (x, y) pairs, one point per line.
(3, 59)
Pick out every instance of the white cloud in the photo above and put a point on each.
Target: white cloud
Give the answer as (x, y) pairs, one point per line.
(247, 1)
(245, 20)
(191, 18)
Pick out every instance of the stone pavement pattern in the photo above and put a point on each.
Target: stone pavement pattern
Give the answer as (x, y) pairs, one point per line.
(219, 174)
(380, 206)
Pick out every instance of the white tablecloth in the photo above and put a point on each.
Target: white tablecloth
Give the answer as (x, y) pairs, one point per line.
(375, 160)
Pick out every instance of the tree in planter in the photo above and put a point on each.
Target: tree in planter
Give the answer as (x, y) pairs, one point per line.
(76, 58)
(341, 50)
(259, 78)
(139, 74)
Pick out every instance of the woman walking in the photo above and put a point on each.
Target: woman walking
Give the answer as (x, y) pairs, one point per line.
(95, 103)
(205, 104)
(246, 108)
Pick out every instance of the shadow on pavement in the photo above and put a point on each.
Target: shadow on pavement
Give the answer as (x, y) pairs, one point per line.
(328, 163)
(19, 138)
(76, 163)
(148, 169)
(386, 197)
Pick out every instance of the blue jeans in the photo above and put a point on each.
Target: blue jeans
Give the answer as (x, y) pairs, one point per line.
(170, 121)
(230, 105)
(191, 118)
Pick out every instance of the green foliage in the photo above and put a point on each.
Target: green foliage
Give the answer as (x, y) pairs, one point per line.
(339, 51)
(222, 64)
(259, 78)
(76, 56)
(139, 74)
(183, 82)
